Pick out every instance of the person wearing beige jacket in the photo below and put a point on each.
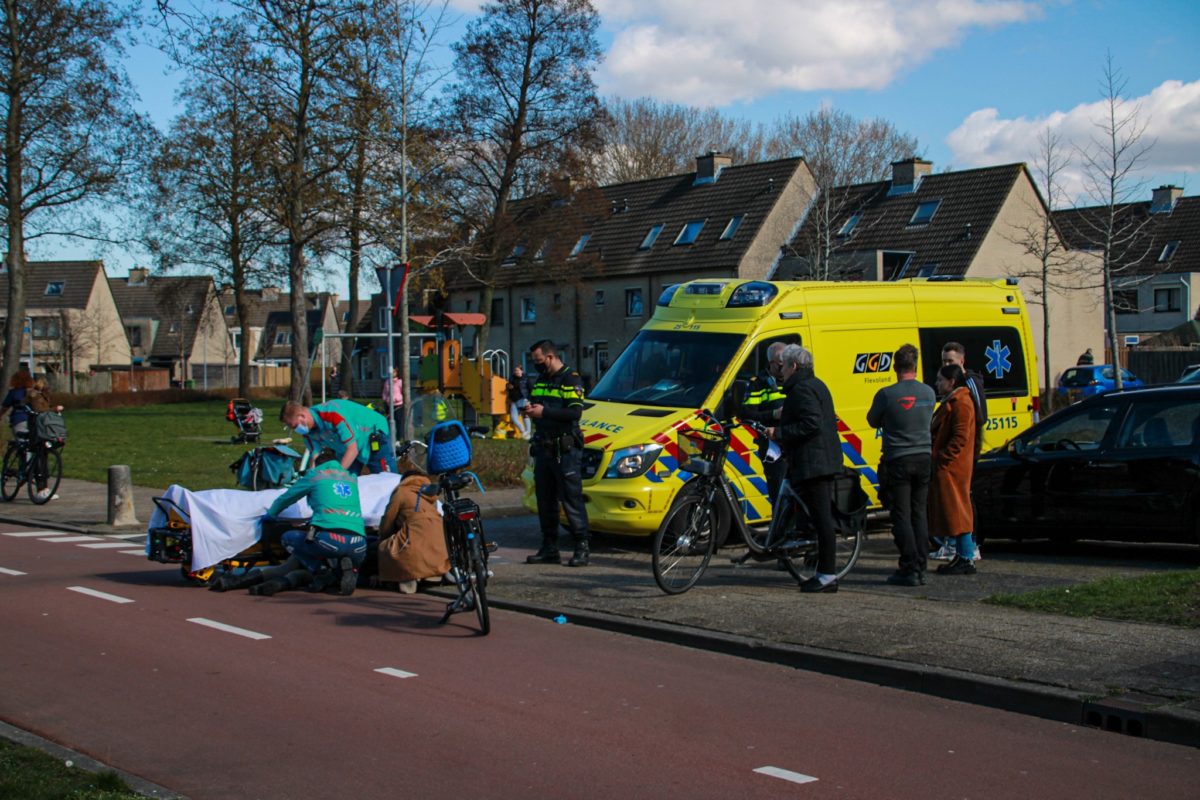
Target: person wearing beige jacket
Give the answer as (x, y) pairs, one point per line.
(412, 546)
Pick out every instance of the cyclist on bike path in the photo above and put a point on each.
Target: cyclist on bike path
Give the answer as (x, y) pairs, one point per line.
(555, 406)
(355, 433)
(336, 531)
(808, 433)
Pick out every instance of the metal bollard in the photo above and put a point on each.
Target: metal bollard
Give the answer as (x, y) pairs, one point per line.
(120, 496)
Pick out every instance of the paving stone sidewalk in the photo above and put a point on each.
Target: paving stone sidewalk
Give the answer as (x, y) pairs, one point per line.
(1142, 679)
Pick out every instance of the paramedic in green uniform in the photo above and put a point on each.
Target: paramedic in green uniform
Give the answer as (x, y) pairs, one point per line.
(355, 433)
(335, 534)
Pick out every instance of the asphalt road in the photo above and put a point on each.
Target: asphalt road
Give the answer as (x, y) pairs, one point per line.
(320, 696)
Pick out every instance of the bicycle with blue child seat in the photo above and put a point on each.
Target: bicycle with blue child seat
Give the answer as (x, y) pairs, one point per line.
(447, 455)
(686, 539)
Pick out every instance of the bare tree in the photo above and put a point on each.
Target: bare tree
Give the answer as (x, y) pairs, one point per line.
(645, 138)
(839, 151)
(208, 175)
(524, 108)
(1111, 161)
(86, 334)
(71, 135)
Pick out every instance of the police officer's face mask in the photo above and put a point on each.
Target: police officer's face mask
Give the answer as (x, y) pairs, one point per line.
(542, 367)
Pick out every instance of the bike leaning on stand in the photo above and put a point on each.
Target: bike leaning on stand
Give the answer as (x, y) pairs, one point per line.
(686, 539)
(35, 460)
(447, 457)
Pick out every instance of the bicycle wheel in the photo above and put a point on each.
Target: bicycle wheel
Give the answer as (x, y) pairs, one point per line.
(10, 482)
(47, 469)
(684, 544)
(803, 565)
(478, 576)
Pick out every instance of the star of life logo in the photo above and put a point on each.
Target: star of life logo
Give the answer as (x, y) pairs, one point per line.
(342, 489)
(998, 359)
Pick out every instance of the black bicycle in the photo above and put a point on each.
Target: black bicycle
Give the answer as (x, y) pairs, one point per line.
(35, 463)
(687, 537)
(466, 546)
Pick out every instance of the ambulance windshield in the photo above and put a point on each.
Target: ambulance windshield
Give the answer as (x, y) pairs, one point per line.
(668, 368)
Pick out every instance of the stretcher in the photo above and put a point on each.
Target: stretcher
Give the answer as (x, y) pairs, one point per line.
(212, 531)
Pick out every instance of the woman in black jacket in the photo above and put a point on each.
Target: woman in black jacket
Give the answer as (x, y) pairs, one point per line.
(808, 434)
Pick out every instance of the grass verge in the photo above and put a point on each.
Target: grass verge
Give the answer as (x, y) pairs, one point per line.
(1166, 599)
(188, 443)
(33, 775)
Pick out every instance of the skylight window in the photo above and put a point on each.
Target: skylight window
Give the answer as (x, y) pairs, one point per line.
(1168, 250)
(582, 243)
(730, 229)
(651, 237)
(924, 213)
(849, 226)
(55, 288)
(690, 231)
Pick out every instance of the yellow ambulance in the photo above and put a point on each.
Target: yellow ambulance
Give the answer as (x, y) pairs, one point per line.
(706, 334)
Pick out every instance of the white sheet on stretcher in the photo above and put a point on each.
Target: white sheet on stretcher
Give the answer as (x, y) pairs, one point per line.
(227, 521)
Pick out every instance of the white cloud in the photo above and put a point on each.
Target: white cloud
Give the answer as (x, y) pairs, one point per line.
(1171, 114)
(713, 52)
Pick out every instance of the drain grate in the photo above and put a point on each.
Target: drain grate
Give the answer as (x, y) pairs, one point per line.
(1115, 717)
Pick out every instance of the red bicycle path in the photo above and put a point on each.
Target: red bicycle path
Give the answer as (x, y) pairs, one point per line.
(533, 710)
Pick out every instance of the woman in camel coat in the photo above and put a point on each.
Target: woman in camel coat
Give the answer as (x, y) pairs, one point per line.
(412, 546)
(953, 429)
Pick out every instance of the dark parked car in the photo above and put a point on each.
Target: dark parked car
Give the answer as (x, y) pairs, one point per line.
(1077, 383)
(1120, 466)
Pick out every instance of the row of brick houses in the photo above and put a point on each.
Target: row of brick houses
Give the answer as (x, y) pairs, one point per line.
(81, 321)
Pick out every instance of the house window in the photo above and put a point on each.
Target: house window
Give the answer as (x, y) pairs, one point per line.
(848, 227)
(734, 223)
(237, 340)
(381, 315)
(467, 305)
(45, 328)
(924, 213)
(895, 264)
(651, 237)
(498, 311)
(599, 297)
(1168, 250)
(517, 252)
(55, 288)
(582, 243)
(1166, 300)
(528, 310)
(689, 232)
(134, 332)
(557, 300)
(283, 337)
(173, 327)
(230, 310)
(633, 302)
(1125, 301)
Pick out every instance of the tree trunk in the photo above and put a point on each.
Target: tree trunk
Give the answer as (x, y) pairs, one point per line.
(14, 260)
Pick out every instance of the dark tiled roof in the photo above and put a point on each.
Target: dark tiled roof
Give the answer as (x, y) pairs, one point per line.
(259, 307)
(970, 199)
(618, 217)
(1156, 231)
(165, 298)
(282, 321)
(77, 278)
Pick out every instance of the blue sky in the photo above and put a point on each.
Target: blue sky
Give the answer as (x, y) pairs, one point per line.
(973, 80)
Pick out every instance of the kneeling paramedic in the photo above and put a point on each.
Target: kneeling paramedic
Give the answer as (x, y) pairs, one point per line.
(555, 406)
(334, 544)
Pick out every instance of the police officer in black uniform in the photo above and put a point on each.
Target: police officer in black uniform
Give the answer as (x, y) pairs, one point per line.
(555, 406)
(763, 404)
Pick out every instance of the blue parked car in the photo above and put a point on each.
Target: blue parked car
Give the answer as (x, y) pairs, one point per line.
(1080, 382)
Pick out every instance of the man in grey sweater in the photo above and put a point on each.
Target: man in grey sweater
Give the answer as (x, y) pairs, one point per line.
(903, 411)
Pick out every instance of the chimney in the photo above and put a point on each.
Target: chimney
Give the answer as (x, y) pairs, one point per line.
(138, 276)
(910, 171)
(1164, 199)
(563, 186)
(708, 167)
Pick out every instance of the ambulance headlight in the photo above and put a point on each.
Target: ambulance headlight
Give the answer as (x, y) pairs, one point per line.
(754, 293)
(630, 462)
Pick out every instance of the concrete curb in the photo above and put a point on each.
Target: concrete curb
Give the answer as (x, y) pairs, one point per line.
(1117, 714)
(80, 761)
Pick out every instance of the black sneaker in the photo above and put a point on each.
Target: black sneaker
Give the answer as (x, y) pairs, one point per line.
(959, 566)
(349, 577)
(545, 556)
(905, 579)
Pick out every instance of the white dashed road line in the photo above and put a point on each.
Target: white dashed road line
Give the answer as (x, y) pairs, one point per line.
(396, 673)
(105, 545)
(31, 534)
(69, 539)
(221, 626)
(785, 774)
(112, 598)
(4, 571)
(127, 536)
(133, 552)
